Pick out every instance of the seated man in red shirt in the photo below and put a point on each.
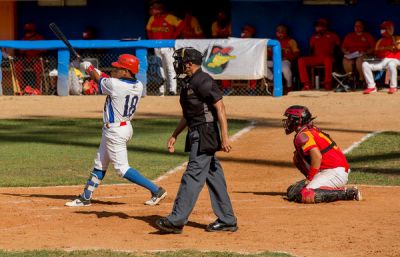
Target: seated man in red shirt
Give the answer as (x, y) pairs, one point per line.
(322, 45)
(386, 43)
(30, 59)
(390, 63)
(356, 45)
(319, 159)
(163, 25)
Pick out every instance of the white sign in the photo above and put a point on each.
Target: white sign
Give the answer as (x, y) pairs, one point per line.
(233, 58)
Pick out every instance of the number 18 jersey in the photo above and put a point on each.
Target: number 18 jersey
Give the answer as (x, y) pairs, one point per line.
(123, 96)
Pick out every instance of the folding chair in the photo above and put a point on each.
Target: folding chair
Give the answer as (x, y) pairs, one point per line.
(343, 80)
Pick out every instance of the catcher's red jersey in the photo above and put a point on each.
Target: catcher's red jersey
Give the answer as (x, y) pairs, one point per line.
(313, 137)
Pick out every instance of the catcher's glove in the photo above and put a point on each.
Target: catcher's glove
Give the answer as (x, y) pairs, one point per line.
(293, 191)
(300, 163)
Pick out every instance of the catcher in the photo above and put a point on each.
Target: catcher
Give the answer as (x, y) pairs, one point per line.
(320, 160)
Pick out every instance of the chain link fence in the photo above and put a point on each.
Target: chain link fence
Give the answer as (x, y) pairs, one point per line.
(34, 76)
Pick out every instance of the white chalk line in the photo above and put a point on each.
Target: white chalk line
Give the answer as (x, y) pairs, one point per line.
(356, 144)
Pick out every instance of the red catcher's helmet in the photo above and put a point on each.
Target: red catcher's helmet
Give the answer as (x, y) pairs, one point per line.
(297, 116)
(127, 61)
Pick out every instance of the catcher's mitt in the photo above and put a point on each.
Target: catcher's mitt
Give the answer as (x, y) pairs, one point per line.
(300, 163)
(293, 191)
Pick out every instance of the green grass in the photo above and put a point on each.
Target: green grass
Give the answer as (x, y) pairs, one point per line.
(376, 161)
(44, 152)
(183, 253)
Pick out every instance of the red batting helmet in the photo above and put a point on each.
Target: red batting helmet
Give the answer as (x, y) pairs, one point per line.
(297, 116)
(127, 61)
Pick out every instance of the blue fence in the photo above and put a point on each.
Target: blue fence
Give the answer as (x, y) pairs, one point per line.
(141, 47)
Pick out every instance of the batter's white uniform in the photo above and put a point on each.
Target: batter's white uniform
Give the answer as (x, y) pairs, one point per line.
(122, 99)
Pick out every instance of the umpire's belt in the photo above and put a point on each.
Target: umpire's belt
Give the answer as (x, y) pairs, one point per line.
(197, 127)
(116, 124)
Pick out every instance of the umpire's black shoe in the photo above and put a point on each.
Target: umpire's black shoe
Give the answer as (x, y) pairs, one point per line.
(219, 226)
(166, 226)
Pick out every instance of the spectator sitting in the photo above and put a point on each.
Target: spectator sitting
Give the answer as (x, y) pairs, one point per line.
(385, 44)
(391, 62)
(248, 31)
(30, 59)
(162, 25)
(191, 27)
(322, 46)
(222, 28)
(356, 45)
(290, 53)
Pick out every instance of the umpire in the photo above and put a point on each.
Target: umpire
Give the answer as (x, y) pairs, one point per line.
(203, 109)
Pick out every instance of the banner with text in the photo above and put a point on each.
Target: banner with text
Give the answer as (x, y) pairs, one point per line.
(233, 58)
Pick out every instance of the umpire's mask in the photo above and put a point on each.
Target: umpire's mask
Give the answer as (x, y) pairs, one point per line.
(183, 56)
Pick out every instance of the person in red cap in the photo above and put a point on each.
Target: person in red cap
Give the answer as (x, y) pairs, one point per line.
(386, 43)
(290, 53)
(163, 25)
(322, 46)
(123, 92)
(356, 45)
(389, 63)
(30, 59)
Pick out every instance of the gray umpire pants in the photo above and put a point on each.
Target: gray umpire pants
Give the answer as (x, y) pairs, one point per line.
(202, 168)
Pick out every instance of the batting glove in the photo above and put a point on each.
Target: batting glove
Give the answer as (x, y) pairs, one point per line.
(88, 67)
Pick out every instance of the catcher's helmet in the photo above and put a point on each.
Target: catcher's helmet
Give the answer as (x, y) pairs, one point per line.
(297, 116)
(127, 61)
(186, 55)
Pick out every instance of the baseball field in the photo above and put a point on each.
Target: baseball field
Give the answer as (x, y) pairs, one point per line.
(258, 171)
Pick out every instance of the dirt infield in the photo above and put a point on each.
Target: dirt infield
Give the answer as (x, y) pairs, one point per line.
(258, 172)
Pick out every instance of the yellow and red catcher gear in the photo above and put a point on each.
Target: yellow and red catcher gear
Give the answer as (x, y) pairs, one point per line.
(127, 61)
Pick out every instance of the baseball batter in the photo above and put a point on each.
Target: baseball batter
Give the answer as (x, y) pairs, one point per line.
(319, 158)
(123, 92)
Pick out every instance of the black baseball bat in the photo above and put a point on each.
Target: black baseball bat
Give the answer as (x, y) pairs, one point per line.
(56, 30)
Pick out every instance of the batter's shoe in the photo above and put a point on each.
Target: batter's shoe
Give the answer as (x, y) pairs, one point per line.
(157, 197)
(219, 226)
(78, 202)
(370, 90)
(392, 90)
(167, 227)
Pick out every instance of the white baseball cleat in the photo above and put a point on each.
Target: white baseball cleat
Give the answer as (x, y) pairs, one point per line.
(157, 197)
(358, 196)
(78, 202)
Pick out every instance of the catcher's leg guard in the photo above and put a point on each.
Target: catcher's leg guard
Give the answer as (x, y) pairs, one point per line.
(293, 192)
(93, 182)
(322, 195)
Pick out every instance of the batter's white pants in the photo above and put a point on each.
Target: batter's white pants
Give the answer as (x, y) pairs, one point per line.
(167, 69)
(333, 178)
(286, 71)
(113, 149)
(387, 63)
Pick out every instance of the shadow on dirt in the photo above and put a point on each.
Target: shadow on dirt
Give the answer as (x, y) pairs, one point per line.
(261, 193)
(62, 197)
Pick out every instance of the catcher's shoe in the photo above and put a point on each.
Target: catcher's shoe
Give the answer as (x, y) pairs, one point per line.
(358, 195)
(78, 202)
(157, 197)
